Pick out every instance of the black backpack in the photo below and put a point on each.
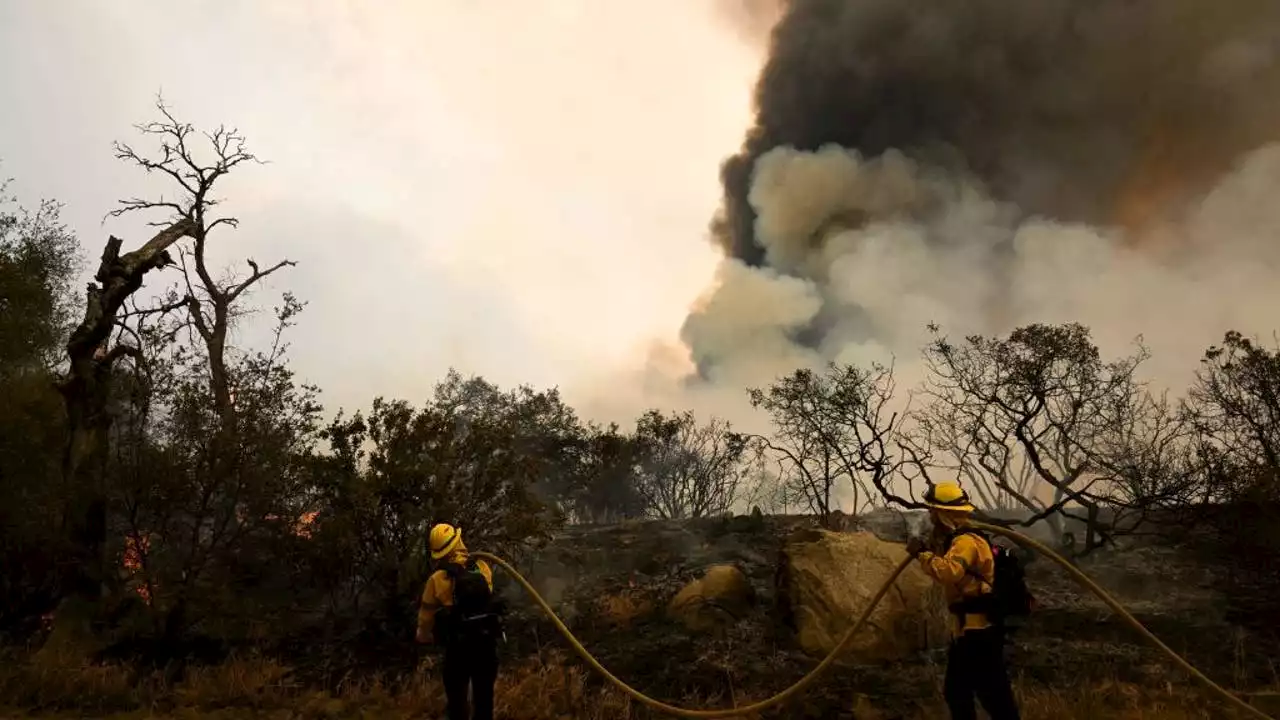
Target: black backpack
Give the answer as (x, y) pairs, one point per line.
(474, 614)
(1009, 602)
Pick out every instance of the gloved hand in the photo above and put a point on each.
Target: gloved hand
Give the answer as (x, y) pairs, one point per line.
(915, 546)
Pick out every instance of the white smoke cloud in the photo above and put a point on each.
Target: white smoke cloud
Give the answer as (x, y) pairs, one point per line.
(877, 248)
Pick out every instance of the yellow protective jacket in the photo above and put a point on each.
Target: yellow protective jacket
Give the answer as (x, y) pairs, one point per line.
(958, 570)
(438, 593)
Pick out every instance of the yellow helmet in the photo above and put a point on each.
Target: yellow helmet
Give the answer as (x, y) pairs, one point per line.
(948, 496)
(444, 539)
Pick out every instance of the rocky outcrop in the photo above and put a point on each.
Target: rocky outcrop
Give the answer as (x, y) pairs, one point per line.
(718, 599)
(827, 579)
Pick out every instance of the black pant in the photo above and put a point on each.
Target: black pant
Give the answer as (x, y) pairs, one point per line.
(975, 667)
(472, 666)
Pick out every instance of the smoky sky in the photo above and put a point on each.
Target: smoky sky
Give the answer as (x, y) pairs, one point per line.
(1057, 106)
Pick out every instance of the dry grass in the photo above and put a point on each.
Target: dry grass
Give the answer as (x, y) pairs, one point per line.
(255, 687)
(625, 607)
(1121, 701)
(51, 686)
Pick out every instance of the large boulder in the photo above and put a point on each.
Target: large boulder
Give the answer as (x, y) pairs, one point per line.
(717, 599)
(827, 579)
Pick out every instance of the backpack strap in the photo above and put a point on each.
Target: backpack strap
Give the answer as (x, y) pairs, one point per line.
(453, 570)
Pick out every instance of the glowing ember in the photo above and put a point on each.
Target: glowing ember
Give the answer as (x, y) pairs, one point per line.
(136, 548)
(302, 528)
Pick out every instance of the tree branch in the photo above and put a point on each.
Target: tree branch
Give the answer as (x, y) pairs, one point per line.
(236, 290)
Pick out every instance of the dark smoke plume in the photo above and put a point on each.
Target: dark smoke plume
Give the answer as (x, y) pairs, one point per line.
(1061, 107)
(982, 164)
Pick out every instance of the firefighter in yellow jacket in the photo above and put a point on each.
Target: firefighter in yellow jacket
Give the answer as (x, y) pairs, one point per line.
(459, 613)
(963, 563)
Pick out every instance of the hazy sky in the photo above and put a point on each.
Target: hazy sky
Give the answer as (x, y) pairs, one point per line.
(518, 193)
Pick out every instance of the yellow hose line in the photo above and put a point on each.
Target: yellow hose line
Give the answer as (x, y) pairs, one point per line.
(640, 697)
(840, 647)
(1086, 582)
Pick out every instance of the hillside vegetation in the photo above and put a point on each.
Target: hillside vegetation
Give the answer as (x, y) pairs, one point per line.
(187, 532)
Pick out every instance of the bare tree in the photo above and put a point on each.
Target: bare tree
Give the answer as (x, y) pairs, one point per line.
(832, 428)
(211, 302)
(945, 440)
(86, 389)
(689, 469)
(1041, 411)
(222, 479)
(1144, 458)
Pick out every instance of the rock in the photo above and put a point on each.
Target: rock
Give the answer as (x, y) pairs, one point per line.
(827, 579)
(719, 598)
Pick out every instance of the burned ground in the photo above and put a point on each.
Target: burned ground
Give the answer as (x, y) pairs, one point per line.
(1072, 639)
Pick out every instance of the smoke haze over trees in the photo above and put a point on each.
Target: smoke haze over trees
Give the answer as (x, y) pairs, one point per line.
(204, 490)
(957, 241)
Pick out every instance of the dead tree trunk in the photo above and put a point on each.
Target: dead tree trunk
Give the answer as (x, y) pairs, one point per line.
(85, 392)
(210, 301)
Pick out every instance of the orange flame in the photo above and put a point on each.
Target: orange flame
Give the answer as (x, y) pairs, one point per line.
(1179, 161)
(1160, 178)
(302, 528)
(136, 548)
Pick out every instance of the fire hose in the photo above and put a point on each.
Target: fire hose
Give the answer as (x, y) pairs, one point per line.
(1227, 696)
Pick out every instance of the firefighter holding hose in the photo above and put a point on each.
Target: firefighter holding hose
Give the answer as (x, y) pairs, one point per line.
(459, 612)
(963, 561)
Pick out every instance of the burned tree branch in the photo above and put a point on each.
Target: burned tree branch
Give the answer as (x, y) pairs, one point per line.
(120, 351)
(835, 426)
(236, 290)
(119, 277)
(1042, 405)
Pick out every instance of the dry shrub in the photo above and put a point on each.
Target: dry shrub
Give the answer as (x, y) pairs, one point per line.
(59, 678)
(251, 681)
(557, 690)
(1122, 701)
(552, 690)
(624, 607)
